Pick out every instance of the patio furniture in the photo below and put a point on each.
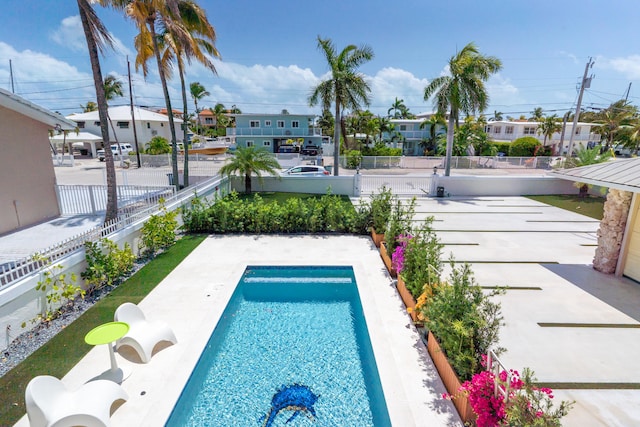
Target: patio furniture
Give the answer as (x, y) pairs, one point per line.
(108, 333)
(50, 403)
(143, 335)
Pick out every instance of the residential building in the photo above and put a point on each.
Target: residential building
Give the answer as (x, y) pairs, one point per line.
(28, 196)
(273, 130)
(409, 134)
(148, 124)
(206, 118)
(509, 130)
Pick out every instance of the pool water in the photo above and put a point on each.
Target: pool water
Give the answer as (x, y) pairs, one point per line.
(297, 330)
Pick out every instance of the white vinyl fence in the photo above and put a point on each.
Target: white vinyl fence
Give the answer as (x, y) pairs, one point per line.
(92, 199)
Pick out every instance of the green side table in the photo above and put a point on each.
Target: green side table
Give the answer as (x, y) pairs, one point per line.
(108, 333)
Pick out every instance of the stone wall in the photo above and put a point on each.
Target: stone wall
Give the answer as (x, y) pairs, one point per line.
(611, 231)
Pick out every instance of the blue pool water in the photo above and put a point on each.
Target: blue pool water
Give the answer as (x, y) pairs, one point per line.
(297, 330)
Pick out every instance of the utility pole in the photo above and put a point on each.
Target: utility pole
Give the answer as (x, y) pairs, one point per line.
(626, 97)
(11, 76)
(133, 119)
(586, 83)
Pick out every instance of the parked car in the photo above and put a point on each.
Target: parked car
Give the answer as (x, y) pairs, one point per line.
(125, 148)
(311, 150)
(305, 170)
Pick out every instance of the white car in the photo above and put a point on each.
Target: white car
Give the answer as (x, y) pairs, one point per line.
(126, 149)
(305, 170)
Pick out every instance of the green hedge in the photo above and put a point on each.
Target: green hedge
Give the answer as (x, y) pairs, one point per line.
(524, 147)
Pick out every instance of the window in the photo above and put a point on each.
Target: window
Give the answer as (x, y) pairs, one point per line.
(403, 127)
(254, 124)
(295, 124)
(208, 120)
(280, 123)
(266, 143)
(577, 130)
(148, 125)
(497, 129)
(249, 143)
(529, 130)
(96, 124)
(81, 125)
(267, 123)
(123, 125)
(488, 129)
(508, 130)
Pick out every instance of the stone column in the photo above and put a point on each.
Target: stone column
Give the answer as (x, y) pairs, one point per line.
(611, 231)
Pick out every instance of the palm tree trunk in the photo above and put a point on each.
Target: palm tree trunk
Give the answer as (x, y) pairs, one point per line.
(449, 152)
(247, 183)
(112, 193)
(172, 126)
(184, 124)
(336, 141)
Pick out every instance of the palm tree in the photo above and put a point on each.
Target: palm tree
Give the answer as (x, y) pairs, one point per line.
(536, 115)
(497, 116)
(248, 161)
(617, 116)
(326, 122)
(547, 126)
(220, 117)
(177, 46)
(433, 122)
(397, 107)
(147, 15)
(98, 38)
(585, 157)
(112, 90)
(91, 106)
(463, 90)
(346, 87)
(197, 93)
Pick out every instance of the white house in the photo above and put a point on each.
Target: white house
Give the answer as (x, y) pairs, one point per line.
(507, 131)
(148, 124)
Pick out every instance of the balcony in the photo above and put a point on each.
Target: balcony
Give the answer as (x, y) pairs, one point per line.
(285, 132)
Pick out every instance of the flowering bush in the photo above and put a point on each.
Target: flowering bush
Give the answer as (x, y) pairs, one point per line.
(527, 405)
(397, 257)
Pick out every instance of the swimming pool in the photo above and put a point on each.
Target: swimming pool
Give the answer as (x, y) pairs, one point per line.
(292, 344)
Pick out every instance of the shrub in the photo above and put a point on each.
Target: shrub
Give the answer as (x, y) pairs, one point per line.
(159, 231)
(381, 149)
(106, 263)
(524, 147)
(501, 147)
(399, 222)
(380, 206)
(158, 145)
(464, 320)
(354, 159)
(59, 288)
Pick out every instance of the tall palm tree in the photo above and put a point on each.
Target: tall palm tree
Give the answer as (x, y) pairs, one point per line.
(397, 107)
(617, 116)
(112, 90)
(177, 46)
(220, 117)
(248, 161)
(497, 116)
(463, 90)
(345, 87)
(433, 122)
(148, 15)
(536, 115)
(197, 93)
(326, 122)
(98, 38)
(547, 126)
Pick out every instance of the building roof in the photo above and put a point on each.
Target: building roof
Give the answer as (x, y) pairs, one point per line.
(123, 113)
(76, 137)
(621, 174)
(20, 105)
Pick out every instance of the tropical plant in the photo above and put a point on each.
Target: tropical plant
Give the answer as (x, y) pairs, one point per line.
(354, 159)
(536, 115)
(158, 145)
(613, 119)
(191, 38)
(98, 38)
(248, 161)
(106, 263)
(525, 146)
(400, 110)
(400, 222)
(547, 126)
(497, 116)
(380, 208)
(465, 321)
(148, 15)
(90, 106)
(463, 90)
(586, 157)
(197, 93)
(346, 88)
(60, 290)
(159, 231)
(113, 90)
(429, 145)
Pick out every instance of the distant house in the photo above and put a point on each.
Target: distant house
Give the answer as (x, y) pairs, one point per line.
(507, 131)
(28, 179)
(148, 125)
(273, 130)
(409, 135)
(206, 118)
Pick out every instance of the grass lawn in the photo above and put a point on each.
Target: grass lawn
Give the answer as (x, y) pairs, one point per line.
(66, 349)
(590, 206)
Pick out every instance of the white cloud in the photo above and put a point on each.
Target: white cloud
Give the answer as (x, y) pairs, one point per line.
(629, 66)
(70, 34)
(391, 83)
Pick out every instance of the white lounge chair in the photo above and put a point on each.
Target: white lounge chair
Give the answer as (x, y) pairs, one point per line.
(143, 336)
(51, 404)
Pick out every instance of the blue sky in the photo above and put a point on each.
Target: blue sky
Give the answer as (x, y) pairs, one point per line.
(270, 59)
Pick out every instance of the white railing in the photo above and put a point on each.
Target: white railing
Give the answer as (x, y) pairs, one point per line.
(495, 366)
(92, 199)
(290, 132)
(457, 162)
(13, 271)
(398, 184)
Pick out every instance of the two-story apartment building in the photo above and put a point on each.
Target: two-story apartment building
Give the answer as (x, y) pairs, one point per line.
(507, 131)
(409, 135)
(148, 124)
(273, 130)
